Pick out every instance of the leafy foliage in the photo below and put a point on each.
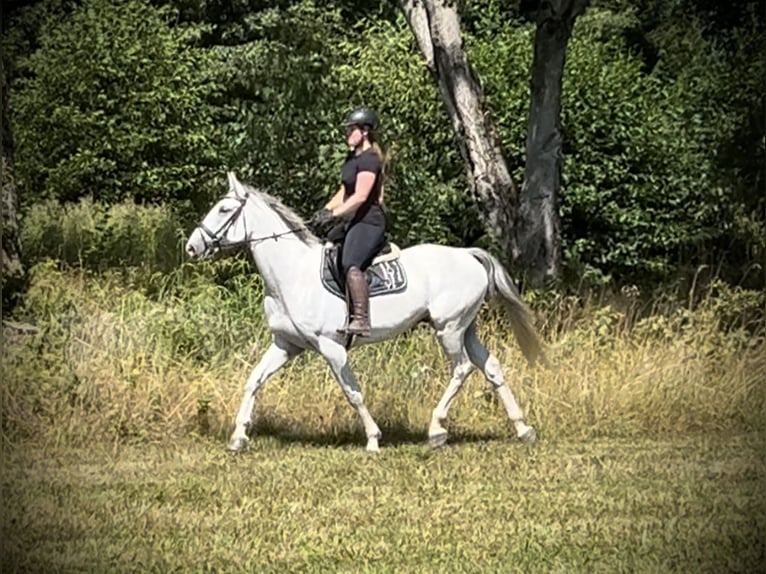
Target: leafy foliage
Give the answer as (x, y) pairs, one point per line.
(113, 105)
(638, 195)
(644, 192)
(282, 105)
(662, 119)
(98, 236)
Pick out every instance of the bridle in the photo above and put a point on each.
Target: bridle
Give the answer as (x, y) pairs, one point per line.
(215, 238)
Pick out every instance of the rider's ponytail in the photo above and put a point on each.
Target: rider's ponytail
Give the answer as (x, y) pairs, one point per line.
(383, 160)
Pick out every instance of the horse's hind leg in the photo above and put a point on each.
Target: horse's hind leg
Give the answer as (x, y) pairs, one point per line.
(451, 339)
(493, 372)
(275, 357)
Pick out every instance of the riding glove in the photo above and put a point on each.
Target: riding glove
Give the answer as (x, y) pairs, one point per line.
(322, 217)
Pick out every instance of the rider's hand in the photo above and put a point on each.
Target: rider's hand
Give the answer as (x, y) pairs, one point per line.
(322, 217)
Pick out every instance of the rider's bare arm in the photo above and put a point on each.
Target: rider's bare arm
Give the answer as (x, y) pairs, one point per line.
(336, 199)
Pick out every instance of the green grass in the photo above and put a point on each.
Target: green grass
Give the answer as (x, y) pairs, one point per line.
(116, 411)
(293, 504)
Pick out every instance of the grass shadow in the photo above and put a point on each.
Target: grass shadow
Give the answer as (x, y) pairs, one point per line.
(395, 433)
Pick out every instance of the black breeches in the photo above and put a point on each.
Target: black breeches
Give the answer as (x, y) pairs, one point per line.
(362, 242)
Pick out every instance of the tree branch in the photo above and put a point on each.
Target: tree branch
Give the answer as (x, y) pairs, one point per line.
(417, 17)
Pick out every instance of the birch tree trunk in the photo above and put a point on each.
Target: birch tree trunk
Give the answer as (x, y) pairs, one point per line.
(436, 27)
(538, 229)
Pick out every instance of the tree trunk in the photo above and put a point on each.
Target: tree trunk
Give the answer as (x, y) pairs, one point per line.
(538, 229)
(436, 27)
(13, 271)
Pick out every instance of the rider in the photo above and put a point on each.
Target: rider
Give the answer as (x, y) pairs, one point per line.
(359, 203)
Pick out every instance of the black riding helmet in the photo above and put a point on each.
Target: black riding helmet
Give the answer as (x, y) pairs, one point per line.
(362, 117)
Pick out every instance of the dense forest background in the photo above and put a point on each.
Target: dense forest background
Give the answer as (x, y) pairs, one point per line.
(122, 116)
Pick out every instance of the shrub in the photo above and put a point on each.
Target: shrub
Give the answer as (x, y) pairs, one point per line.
(114, 105)
(97, 236)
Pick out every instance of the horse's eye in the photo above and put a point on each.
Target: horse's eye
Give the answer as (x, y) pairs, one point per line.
(224, 209)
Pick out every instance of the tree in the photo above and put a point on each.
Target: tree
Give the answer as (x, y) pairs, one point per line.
(12, 270)
(132, 120)
(538, 229)
(436, 27)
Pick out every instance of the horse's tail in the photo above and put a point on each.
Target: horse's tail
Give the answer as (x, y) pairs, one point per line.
(520, 316)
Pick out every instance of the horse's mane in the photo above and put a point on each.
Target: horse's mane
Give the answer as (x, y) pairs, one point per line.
(291, 219)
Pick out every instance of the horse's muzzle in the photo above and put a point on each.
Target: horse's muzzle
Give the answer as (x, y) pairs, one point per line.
(196, 246)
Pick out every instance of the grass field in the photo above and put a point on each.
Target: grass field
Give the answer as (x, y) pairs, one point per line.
(692, 504)
(117, 403)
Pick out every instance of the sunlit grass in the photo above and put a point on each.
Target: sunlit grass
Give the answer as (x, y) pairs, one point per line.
(290, 505)
(116, 412)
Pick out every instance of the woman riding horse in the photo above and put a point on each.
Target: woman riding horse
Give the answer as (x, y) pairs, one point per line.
(359, 203)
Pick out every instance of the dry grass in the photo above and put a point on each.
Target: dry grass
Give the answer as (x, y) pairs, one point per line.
(113, 361)
(115, 413)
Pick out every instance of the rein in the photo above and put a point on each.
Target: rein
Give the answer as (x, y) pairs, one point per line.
(274, 236)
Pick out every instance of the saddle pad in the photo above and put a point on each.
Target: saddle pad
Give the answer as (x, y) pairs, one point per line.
(383, 278)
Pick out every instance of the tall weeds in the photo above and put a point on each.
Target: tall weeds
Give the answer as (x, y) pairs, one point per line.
(97, 236)
(123, 361)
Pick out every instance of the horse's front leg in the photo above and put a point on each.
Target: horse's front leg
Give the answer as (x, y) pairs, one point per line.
(337, 357)
(278, 354)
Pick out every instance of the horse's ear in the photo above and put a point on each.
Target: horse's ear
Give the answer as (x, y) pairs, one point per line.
(233, 181)
(235, 185)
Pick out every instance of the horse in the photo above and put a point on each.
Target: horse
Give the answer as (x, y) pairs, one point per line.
(445, 287)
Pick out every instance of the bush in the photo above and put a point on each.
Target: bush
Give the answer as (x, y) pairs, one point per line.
(643, 192)
(114, 105)
(97, 236)
(658, 150)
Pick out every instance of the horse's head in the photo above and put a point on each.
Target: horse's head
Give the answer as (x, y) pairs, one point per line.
(223, 226)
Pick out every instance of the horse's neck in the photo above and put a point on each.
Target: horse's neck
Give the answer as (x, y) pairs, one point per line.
(281, 258)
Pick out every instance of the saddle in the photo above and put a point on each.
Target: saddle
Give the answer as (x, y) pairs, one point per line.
(384, 275)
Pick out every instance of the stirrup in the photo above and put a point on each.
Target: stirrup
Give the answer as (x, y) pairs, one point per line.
(343, 329)
(346, 330)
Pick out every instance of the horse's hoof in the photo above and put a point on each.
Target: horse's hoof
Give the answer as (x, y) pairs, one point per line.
(372, 445)
(238, 445)
(529, 437)
(437, 440)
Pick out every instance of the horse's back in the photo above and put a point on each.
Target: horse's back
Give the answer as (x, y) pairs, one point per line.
(436, 254)
(444, 268)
